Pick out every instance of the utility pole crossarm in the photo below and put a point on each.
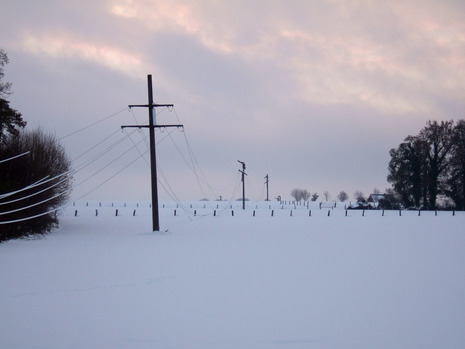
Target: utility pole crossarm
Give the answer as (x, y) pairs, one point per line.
(154, 105)
(148, 126)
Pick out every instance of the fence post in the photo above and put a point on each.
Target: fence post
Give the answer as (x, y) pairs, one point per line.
(75, 213)
(272, 213)
(175, 213)
(214, 213)
(116, 214)
(346, 213)
(309, 213)
(96, 213)
(134, 213)
(329, 213)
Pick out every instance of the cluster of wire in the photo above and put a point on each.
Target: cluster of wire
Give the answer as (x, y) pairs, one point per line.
(28, 192)
(107, 158)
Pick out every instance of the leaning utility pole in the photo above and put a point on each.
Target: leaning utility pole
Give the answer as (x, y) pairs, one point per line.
(243, 183)
(266, 182)
(153, 161)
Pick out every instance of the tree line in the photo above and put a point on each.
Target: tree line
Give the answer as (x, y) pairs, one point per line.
(423, 168)
(430, 164)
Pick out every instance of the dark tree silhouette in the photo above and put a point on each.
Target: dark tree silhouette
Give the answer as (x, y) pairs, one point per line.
(32, 186)
(342, 196)
(10, 119)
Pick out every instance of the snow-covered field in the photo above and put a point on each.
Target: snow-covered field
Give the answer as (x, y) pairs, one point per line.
(239, 281)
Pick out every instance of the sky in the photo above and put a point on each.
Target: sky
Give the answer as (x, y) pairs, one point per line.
(312, 93)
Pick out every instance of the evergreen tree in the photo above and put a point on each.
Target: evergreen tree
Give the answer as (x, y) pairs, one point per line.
(10, 119)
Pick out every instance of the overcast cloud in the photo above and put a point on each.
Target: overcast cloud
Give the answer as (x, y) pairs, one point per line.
(313, 93)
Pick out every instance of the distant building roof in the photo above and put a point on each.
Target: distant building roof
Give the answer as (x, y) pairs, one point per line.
(377, 197)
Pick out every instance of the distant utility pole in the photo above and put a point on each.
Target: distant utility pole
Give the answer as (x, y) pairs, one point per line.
(153, 161)
(243, 183)
(266, 182)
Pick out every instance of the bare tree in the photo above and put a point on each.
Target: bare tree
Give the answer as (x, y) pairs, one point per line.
(342, 196)
(305, 195)
(296, 194)
(326, 195)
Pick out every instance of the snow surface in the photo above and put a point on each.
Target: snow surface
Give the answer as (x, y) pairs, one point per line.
(239, 281)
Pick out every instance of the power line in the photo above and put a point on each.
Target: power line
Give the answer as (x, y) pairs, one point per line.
(101, 184)
(93, 124)
(36, 193)
(39, 182)
(95, 146)
(36, 204)
(102, 153)
(111, 162)
(32, 217)
(14, 157)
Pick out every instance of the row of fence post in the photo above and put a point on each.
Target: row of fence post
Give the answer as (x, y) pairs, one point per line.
(272, 213)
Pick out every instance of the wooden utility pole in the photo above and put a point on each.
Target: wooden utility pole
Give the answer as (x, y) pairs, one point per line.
(153, 156)
(243, 183)
(266, 182)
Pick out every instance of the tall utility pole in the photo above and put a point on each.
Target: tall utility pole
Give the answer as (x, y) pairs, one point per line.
(243, 183)
(266, 182)
(153, 157)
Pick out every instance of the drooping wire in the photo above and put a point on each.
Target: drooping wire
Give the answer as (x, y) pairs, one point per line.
(108, 164)
(105, 151)
(112, 176)
(257, 197)
(32, 217)
(195, 163)
(96, 145)
(36, 204)
(14, 157)
(39, 182)
(191, 167)
(170, 192)
(36, 193)
(93, 124)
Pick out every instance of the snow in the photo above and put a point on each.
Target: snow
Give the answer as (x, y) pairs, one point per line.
(239, 281)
